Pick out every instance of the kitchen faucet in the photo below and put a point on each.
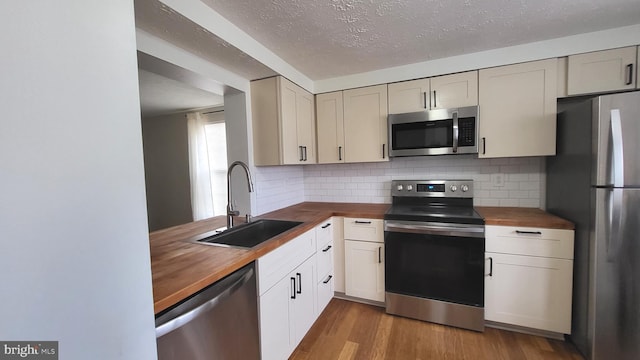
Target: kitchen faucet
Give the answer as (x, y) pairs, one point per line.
(231, 212)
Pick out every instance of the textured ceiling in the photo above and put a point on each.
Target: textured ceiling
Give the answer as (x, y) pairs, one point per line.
(158, 19)
(331, 38)
(160, 95)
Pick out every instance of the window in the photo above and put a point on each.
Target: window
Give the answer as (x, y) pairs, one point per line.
(217, 148)
(207, 163)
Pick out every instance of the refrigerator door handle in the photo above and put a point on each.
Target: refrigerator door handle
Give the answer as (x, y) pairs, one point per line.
(618, 146)
(616, 219)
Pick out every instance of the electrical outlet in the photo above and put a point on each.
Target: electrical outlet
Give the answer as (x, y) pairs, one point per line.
(497, 180)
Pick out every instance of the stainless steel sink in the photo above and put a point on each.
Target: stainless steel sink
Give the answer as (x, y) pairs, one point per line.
(249, 235)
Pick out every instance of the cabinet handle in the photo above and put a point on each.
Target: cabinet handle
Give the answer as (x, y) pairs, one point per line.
(383, 147)
(340, 153)
(328, 279)
(380, 255)
(362, 222)
(484, 145)
(301, 153)
(425, 99)
(434, 99)
(490, 266)
(326, 226)
(326, 249)
(293, 288)
(629, 74)
(299, 291)
(304, 148)
(522, 232)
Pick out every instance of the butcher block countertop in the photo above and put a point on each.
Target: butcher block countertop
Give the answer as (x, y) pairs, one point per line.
(527, 217)
(180, 267)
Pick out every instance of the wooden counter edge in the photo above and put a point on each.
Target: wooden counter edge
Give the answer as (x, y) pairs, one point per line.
(526, 217)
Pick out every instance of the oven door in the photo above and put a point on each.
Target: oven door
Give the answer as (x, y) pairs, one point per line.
(437, 261)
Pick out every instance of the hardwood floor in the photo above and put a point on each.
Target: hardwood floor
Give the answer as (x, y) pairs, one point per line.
(349, 330)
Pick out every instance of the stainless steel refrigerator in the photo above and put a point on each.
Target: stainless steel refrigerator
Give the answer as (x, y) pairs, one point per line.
(594, 181)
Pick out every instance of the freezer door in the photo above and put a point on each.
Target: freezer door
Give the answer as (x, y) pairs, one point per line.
(614, 299)
(617, 143)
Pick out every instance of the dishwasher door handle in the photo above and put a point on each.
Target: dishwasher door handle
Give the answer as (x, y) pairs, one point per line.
(187, 317)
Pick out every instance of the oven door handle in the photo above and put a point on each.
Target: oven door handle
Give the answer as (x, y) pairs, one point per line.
(435, 228)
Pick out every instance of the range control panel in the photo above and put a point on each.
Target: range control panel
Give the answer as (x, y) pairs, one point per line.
(432, 188)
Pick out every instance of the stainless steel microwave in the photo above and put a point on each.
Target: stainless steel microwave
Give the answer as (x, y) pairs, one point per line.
(434, 132)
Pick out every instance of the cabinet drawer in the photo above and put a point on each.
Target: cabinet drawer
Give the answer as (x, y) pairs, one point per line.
(275, 265)
(325, 291)
(325, 260)
(324, 234)
(364, 229)
(543, 242)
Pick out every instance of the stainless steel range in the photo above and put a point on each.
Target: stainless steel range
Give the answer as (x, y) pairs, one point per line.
(434, 246)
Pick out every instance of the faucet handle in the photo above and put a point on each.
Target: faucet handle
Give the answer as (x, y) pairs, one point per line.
(233, 212)
(248, 218)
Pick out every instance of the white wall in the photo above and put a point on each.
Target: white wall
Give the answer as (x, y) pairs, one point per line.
(371, 182)
(75, 252)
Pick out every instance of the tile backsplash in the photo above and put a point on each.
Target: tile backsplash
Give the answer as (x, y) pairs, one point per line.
(278, 186)
(498, 182)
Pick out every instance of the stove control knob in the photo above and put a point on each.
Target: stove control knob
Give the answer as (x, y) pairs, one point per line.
(453, 188)
(464, 188)
(399, 187)
(409, 187)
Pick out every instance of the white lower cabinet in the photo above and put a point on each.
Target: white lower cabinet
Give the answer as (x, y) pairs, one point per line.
(364, 269)
(364, 258)
(295, 283)
(529, 277)
(529, 291)
(325, 270)
(287, 312)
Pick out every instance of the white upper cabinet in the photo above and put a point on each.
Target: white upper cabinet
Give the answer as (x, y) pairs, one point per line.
(283, 123)
(518, 109)
(602, 71)
(409, 96)
(330, 127)
(365, 124)
(455, 90)
(441, 92)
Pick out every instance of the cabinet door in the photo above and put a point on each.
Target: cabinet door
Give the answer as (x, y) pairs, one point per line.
(602, 71)
(409, 96)
(365, 124)
(518, 110)
(364, 263)
(330, 125)
(529, 291)
(297, 124)
(290, 152)
(306, 125)
(455, 90)
(304, 305)
(276, 340)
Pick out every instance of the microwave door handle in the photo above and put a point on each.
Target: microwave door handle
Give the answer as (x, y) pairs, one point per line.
(455, 131)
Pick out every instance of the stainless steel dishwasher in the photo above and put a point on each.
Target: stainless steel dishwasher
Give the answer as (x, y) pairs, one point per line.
(219, 322)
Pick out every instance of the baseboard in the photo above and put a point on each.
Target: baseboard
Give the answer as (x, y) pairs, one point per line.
(525, 330)
(343, 296)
